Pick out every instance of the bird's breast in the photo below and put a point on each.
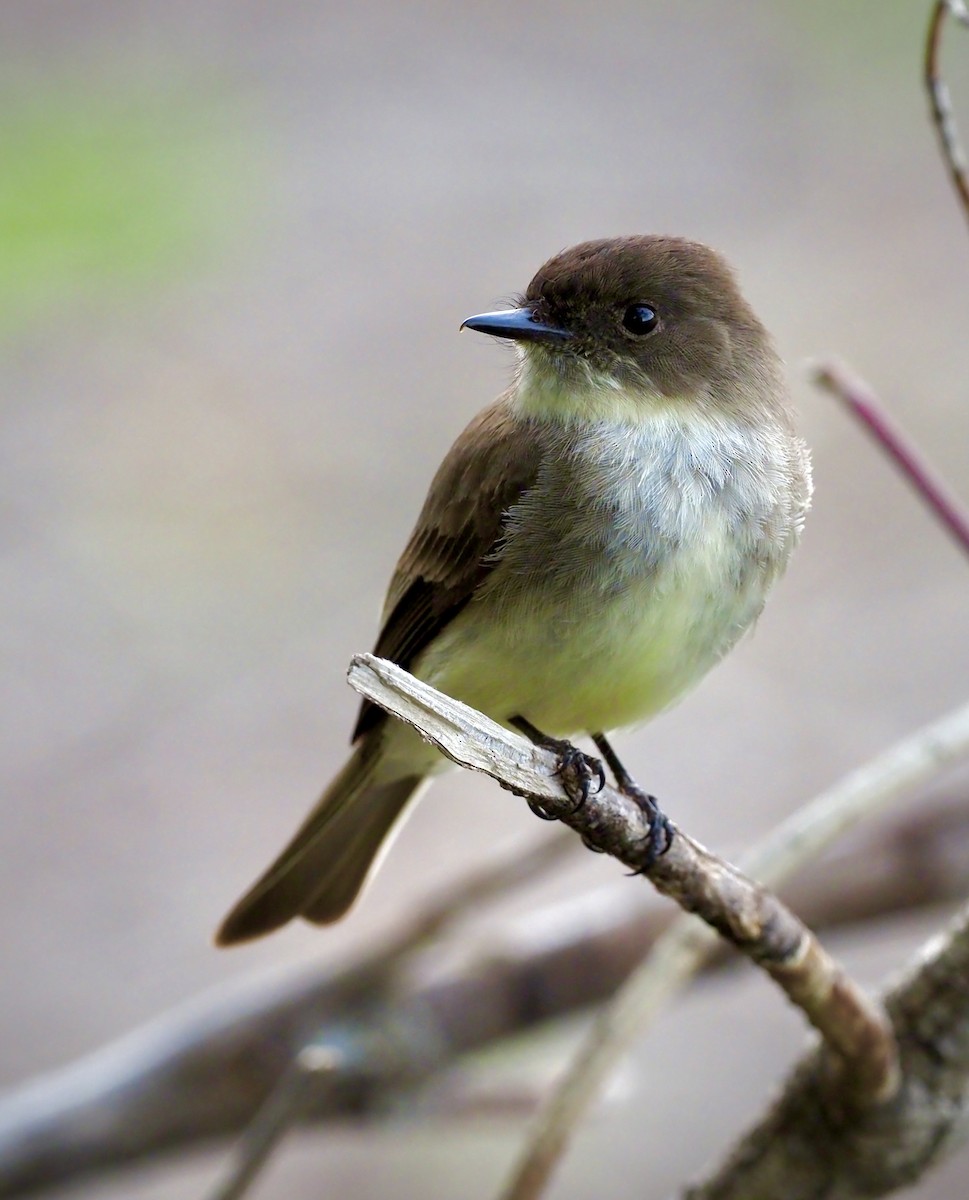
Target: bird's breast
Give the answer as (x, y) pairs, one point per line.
(636, 560)
(684, 497)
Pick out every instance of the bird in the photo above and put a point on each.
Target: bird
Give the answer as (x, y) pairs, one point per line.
(590, 547)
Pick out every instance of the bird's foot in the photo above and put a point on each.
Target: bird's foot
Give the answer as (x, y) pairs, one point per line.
(661, 829)
(575, 769)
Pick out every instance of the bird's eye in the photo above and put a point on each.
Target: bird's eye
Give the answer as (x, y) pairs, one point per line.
(639, 319)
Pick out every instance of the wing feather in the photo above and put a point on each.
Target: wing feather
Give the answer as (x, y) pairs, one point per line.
(452, 549)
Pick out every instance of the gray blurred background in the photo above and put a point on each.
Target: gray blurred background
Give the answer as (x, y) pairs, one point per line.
(236, 243)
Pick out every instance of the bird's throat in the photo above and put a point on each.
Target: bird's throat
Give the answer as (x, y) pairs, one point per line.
(564, 387)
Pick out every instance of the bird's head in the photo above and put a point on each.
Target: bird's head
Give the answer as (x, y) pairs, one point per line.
(647, 320)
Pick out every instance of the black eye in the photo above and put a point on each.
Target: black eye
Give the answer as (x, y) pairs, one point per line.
(639, 319)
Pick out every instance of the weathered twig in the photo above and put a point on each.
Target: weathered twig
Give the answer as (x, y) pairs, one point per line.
(941, 102)
(855, 1031)
(862, 402)
(685, 948)
(797, 1152)
(742, 911)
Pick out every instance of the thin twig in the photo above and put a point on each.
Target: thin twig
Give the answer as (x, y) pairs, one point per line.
(941, 102)
(682, 951)
(281, 1111)
(864, 404)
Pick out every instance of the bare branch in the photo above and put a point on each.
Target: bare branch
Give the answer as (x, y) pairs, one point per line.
(739, 909)
(685, 948)
(204, 1070)
(862, 402)
(799, 1152)
(940, 100)
(753, 919)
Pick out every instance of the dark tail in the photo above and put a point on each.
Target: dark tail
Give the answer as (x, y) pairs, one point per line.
(320, 873)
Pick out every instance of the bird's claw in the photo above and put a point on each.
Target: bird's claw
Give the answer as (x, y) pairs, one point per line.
(660, 828)
(537, 809)
(575, 771)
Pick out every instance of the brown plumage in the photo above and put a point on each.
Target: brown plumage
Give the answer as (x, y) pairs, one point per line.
(452, 547)
(591, 545)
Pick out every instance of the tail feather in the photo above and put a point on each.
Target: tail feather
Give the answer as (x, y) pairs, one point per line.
(321, 871)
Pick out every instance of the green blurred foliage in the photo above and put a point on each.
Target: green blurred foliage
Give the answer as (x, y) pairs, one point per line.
(108, 192)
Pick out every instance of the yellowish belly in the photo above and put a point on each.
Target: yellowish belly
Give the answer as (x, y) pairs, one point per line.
(592, 664)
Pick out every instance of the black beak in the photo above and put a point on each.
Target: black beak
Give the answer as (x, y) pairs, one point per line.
(519, 324)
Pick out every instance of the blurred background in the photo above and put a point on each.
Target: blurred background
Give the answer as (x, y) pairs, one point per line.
(236, 243)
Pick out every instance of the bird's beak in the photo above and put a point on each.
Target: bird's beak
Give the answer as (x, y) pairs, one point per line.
(519, 324)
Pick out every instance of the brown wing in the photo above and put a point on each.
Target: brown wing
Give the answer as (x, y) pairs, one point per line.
(486, 471)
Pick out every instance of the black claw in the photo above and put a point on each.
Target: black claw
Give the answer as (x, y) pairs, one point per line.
(575, 769)
(661, 829)
(537, 809)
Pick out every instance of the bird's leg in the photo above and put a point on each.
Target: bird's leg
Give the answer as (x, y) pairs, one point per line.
(575, 769)
(661, 828)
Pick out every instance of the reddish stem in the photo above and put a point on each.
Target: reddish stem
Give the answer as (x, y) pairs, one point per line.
(863, 402)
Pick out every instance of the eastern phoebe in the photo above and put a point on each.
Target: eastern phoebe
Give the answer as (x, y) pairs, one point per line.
(591, 545)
